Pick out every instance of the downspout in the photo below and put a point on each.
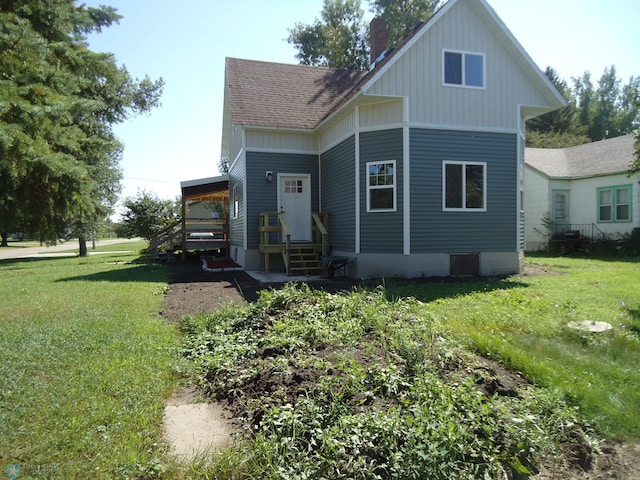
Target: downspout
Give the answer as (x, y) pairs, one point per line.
(406, 181)
(357, 178)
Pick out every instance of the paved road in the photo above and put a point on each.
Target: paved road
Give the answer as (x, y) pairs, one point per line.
(41, 252)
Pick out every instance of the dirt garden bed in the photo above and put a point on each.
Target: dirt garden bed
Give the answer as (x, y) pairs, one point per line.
(193, 291)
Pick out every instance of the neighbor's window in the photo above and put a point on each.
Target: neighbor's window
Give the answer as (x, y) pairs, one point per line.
(381, 186)
(236, 202)
(464, 186)
(464, 69)
(614, 204)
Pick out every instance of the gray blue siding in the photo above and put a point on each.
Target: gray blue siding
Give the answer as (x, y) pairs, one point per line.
(381, 231)
(338, 194)
(236, 225)
(436, 231)
(262, 196)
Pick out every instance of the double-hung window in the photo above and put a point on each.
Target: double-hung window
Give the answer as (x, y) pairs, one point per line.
(614, 204)
(381, 186)
(463, 69)
(464, 186)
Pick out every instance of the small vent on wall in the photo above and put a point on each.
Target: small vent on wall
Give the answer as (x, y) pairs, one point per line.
(464, 264)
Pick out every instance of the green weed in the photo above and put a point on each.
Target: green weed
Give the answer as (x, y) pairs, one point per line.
(378, 392)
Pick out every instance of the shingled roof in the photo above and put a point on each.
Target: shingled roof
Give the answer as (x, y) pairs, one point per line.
(287, 96)
(591, 159)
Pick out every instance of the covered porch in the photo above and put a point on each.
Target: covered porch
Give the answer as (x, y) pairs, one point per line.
(204, 222)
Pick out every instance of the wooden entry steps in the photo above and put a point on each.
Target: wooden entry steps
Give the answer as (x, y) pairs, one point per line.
(299, 258)
(305, 260)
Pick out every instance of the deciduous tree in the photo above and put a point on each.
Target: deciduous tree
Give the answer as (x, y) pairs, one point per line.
(340, 38)
(145, 215)
(594, 112)
(337, 40)
(634, 167)
(403, 16)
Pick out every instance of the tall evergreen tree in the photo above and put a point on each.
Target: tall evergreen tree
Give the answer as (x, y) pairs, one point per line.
(558, 121)
(58, 103)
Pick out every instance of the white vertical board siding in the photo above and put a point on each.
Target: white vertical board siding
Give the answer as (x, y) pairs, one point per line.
(418, 75)
(236, 141)
(384, 113)
(337, 131)
(281, 141)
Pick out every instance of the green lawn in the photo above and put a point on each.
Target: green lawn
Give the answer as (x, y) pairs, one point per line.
(87, 362)
(86, 365)
(523, 322)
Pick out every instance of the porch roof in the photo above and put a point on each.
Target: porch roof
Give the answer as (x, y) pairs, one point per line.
(212, 189)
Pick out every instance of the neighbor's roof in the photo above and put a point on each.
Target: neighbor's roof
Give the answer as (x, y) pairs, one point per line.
(605, 157)
(282, 95)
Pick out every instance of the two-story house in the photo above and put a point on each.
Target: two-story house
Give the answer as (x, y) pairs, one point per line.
(415, 167)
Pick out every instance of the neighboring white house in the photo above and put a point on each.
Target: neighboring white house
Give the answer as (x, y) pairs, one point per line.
(583, 188)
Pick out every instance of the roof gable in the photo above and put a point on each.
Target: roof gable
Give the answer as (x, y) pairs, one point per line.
(606, 157)
(277, 95)
(551, 98)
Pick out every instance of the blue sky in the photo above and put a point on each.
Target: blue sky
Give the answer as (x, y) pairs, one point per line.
(186, 43)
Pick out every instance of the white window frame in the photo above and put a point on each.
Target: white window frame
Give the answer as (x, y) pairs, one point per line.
(463, 66)
(378, 187)
(235, 202)
(464, 190)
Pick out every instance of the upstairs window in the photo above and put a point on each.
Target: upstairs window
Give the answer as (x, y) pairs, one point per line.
(381, 186)
(464, 69)
(614, 204)
(464, 186)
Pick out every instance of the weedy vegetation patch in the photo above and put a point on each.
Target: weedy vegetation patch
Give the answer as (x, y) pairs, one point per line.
(353, 385)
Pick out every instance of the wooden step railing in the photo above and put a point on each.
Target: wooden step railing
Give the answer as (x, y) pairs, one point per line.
(166, 237)
(191, 234)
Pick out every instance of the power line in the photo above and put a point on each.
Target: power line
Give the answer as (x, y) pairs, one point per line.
(150, 180)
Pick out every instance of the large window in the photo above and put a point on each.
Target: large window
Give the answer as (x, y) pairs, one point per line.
(381, 186)
(614, 204)
(464, 186)
(463, 69)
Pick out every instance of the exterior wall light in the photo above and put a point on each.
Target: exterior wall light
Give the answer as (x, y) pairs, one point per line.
(269, 176)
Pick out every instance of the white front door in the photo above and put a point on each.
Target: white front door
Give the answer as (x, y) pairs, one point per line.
(294, 200)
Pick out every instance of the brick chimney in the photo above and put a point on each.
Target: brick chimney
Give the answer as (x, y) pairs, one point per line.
(377, 38)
